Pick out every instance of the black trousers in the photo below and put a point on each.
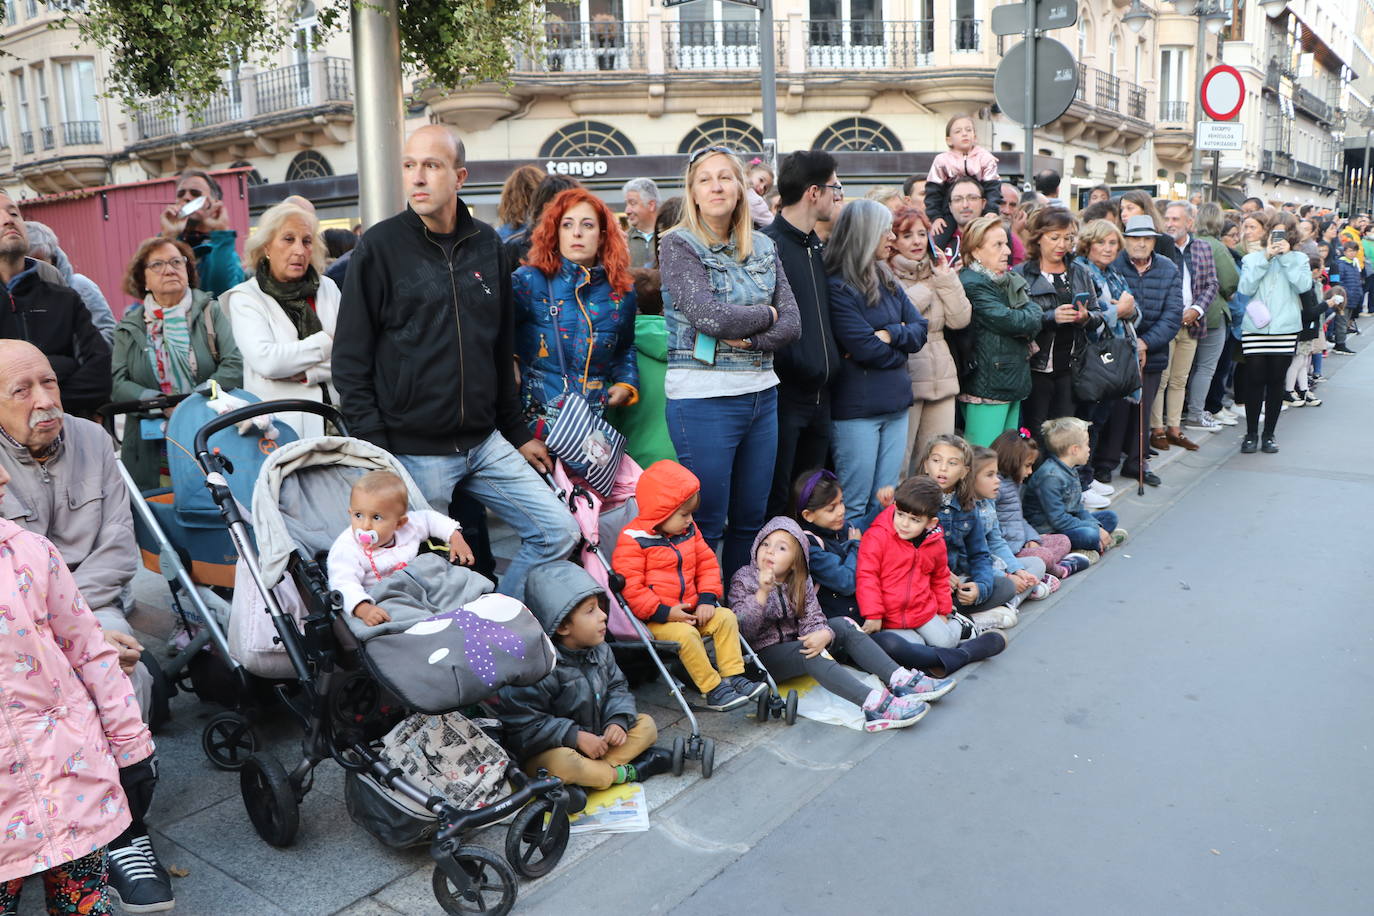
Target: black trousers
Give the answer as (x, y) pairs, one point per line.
(784, 660)
(1264, 379)
(803, 442)
(1051, 396)
(1138, 416)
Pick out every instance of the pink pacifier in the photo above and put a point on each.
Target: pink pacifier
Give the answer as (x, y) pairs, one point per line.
(365, 537)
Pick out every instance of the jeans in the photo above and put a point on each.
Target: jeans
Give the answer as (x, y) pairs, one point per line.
(1209, 351)
(1086, 538)
(730, 443)
(498, 477)
(1221, 378)
(803, 442)
(985, 422)
(868, 457)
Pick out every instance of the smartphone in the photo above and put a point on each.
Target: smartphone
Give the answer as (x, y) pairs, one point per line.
(1278, 235)
(705, 349)
(1081, 301)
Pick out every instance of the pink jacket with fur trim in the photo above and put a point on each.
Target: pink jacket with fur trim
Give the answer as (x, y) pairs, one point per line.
(69, 716)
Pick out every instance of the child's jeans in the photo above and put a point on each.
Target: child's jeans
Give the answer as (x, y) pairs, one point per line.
(723, 629)
(1086, 538)
(569, 765)
(784, 660)
(1052, 549)
(1003, 590)
(64, 885)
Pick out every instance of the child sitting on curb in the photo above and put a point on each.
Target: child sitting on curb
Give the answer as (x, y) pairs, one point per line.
(1053, 497)
(1029, 572)
(1016, 455)
(579, 722)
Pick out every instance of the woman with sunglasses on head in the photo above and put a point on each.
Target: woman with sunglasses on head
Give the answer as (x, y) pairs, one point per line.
(169, 342)
(728, 307)
(935, 289)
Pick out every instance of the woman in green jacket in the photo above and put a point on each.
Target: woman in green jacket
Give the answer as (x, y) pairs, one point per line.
(169, 343)
(1005, 323)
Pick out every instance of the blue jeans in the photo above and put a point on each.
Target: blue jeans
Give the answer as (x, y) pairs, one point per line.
(868, 456)
(498, 477)
(1086, 538)
(731, 444)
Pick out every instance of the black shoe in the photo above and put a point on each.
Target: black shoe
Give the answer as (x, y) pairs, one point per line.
(651, 763)
(138, 884)
(747, 688)
(1270, 446)
(723, 698)
(577, 798)
(1249, 445)
(1134, 474)
(1344, 351)
(1151, 453)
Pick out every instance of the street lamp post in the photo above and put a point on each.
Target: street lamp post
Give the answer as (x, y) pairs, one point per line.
(377, 85)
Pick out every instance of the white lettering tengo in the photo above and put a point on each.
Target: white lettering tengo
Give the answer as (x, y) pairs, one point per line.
(585, 169)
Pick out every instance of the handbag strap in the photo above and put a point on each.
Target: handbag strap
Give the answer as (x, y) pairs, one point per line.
(554, 311)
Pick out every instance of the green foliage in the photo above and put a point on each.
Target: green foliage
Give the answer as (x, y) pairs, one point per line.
(177, 51)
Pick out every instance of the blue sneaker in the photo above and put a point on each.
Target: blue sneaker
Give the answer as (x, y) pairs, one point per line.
(882, 711)
(907, 682)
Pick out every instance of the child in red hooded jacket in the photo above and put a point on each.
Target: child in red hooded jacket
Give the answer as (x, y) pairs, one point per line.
(672, 583)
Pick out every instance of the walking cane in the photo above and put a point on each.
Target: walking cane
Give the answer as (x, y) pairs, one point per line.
(1140, 465)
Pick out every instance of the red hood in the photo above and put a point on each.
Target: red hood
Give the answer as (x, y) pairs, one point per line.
(661, 489)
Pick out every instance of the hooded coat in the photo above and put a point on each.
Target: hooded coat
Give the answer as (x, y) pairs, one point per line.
(69, 717)
(586, 691)
(900, 582)
(775, 621)
(661, 571)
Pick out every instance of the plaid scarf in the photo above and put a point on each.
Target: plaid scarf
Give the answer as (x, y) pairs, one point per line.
(169, 344)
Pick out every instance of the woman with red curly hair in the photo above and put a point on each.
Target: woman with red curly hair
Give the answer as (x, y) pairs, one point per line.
(575, 308)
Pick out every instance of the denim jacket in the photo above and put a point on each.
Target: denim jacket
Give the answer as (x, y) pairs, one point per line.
(1002, 556)
(706, 291)
(595, 328)
(1053, 499)
(967, 545)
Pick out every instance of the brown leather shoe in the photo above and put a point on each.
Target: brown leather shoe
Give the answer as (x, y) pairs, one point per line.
(1177, 438)
(1159, 441)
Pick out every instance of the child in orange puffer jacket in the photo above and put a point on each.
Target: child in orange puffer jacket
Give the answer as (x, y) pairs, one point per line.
(672, 583)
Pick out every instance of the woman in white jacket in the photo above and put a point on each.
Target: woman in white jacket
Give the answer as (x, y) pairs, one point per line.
(283, 314)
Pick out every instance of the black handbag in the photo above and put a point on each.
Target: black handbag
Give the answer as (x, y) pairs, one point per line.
(1107, 368)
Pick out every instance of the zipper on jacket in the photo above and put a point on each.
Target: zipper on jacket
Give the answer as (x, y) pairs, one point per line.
(591, 331)
(457, 321)
(820, 319)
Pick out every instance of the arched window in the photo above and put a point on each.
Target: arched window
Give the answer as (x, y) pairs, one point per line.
(308, 164)
(738, 135)
(586, 139)
(254, 177)
(859, 135)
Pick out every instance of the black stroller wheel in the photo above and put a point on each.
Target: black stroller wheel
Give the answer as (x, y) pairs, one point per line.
(679, 755)
(270, 799)
(764, 705)
(491, 884)
(228, 739)
(790, 716)
(537, 838)
(708, 757)
(357, 700)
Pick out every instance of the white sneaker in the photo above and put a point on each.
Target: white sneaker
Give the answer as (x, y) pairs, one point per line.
(1203, 424)
(997, 618)
(1100, 488)
(1225, 418)
(1095, 501)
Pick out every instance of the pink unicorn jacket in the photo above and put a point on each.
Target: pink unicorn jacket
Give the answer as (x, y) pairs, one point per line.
(68, 714)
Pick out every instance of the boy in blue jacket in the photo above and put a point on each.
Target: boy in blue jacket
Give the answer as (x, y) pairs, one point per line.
(1053, 496)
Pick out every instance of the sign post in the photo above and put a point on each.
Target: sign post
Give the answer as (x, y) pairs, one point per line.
(1041, 87)
(1222, 95)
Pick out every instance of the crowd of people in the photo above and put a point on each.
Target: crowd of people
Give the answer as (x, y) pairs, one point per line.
(870, 428)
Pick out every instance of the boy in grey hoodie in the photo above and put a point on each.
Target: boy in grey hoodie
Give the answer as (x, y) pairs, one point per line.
(579, 722)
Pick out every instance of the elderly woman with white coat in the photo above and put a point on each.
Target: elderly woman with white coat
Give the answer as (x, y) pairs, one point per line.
(283, 314)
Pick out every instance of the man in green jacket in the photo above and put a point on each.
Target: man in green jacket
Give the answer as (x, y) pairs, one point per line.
(206, 231)
(1210, 226)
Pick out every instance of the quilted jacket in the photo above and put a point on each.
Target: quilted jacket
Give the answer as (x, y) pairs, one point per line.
(902, 583)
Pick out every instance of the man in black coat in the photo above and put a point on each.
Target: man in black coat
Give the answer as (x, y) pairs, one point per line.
(51, 317)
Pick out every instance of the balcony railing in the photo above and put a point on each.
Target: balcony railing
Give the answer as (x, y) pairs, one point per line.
(1081, 93)
(1173, 112)
(1108, 91)
(1311, 174)
(26, 142)
(711, 45)
(282, 88)
(966, 35)
(583, 47)
(220, 111)
(1311, 103)
(1135, 101)
(834, 44)
(74, 132)
(153, 123)
(49, 141)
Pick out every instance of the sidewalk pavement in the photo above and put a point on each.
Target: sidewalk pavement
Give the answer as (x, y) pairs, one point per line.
(764, 774)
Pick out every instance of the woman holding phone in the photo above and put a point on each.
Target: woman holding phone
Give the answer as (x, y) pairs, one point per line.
(1066, 294)
(935, 290)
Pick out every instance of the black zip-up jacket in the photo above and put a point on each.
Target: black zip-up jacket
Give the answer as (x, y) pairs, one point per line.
(811, 362)
(424, 346)
(55, 320)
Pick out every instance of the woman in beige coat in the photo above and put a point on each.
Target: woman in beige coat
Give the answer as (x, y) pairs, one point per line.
(935, 289)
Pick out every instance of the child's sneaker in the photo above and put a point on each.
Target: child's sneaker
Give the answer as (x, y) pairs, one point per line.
(746, 688)
(999, 618)
(1118, 536)
(724, 698)
(1044, 588)
(1094, 501)
(882, 711)
(1074, 563)
(907, 682)
(1090, 556)
(1101, 488)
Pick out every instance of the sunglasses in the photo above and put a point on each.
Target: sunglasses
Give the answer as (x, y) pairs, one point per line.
(697, 154)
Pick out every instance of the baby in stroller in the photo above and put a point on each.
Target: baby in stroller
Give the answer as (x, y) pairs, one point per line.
(383, 538)
(579, 722)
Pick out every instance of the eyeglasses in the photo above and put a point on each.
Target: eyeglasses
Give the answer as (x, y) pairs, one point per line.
(176, 263)
(709, 149)
(837, 190)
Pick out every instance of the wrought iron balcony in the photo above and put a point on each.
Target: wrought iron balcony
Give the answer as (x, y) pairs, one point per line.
(711, 45)
(26, 142)
(587, 47)
(1310, 102)
(966, 35)
(1135, 101)
(77, 132)
(49, 141)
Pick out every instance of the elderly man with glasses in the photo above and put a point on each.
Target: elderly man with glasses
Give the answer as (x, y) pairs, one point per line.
(966, 203)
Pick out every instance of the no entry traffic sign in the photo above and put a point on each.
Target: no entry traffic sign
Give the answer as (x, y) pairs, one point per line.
(1223, 92)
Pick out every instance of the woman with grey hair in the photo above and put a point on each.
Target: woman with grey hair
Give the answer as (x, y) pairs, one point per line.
(876, 326)
(43, 246)
(283, 314)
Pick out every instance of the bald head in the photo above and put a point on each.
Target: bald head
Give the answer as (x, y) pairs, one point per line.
(432, 163)
(432, 134)
(30, 401)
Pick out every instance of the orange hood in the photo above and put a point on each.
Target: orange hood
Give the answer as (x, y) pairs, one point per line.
(661, 489)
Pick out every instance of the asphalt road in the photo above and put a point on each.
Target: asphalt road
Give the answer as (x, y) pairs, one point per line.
(1187, 732)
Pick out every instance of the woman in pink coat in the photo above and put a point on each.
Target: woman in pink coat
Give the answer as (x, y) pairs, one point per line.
(70, 723)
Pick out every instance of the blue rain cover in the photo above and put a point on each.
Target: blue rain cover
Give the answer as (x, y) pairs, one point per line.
(246, 454)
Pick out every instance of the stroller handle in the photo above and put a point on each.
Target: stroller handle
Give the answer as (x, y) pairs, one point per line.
(248, 412)
(161, 402)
